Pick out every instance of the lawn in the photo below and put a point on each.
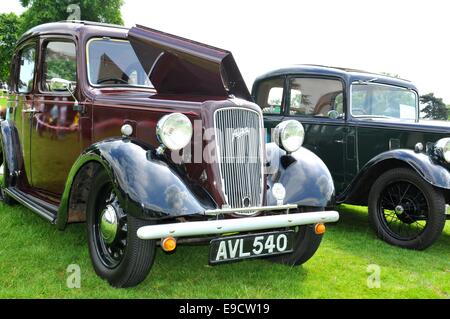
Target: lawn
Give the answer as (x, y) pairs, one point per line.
(34, 257)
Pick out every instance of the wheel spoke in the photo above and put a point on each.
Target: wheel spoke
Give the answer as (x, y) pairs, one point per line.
(410, 219)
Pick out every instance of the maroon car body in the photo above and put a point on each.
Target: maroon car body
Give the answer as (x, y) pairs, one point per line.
(55, 143)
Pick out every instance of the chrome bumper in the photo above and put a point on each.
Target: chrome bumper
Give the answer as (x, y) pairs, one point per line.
(216, 227)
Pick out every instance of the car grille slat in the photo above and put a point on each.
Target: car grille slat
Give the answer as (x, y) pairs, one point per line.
(239, 155)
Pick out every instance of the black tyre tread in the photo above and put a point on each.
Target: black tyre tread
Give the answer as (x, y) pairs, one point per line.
(142, 257)
(306, 243)
(436, 202)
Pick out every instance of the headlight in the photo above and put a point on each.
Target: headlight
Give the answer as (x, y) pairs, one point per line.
(174, 131)
(443, 149)
(289, 135)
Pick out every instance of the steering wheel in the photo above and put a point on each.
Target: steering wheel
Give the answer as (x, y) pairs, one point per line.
(115, 80)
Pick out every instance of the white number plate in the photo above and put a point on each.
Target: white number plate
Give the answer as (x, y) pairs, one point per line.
(234, 248)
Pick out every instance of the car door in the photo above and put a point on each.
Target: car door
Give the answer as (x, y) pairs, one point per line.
(21, 101)
(271, 98)
(318, 103)
(55, 130)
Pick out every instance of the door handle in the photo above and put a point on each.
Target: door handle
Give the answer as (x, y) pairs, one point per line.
(340, 141)
(31, 111)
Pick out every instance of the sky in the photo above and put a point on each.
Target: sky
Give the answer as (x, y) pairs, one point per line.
(407, 38)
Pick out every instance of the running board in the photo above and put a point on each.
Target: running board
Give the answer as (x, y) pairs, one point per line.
(43, 209)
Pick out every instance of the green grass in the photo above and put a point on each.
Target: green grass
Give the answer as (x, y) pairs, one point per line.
(34, 257)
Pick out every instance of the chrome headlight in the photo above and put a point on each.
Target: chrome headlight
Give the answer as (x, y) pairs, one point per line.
(174, 131)
(289, 135)
(443, 149)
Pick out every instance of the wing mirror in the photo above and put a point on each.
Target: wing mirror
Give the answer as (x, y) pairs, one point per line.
(333, 114)
(57, 84)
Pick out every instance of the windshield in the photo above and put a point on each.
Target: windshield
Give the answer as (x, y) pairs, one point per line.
(371, 100)
(114, 63)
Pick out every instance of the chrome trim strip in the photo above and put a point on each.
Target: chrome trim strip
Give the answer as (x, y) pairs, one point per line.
(215, 212)
(216, 227)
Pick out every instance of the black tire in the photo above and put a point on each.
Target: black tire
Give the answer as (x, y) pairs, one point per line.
(306, 243)
(405, 210)
(127, 261)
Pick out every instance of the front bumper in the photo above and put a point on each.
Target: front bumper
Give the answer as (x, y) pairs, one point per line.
(216, 227)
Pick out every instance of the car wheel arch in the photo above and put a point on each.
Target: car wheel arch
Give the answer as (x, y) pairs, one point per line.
(358, 190)
(74, 200)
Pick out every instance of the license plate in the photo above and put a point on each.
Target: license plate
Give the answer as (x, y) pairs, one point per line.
(235, 248)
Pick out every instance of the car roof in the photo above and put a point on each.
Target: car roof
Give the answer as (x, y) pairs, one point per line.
(74, 27)
(350, 75)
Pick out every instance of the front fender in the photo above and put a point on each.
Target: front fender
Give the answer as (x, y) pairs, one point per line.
(305, 176)
(10, 146)
(433, 172)
(147, 185)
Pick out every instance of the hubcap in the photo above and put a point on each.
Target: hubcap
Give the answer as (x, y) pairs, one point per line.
(109, 224)
(110, 229)
(399, 210)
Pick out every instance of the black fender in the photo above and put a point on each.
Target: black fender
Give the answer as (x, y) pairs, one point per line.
(304, 175)
(148, 185)
(10, 145)
(432, 171)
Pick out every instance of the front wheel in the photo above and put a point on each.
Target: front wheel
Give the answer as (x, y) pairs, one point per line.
(306, 243)
(405, 210)
(117, 254)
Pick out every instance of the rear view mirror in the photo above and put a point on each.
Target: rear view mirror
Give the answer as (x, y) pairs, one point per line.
(57, 84)
(333, 114)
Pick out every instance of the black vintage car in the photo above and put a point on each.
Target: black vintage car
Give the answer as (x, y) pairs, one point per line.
(366, 128)
(153, 140)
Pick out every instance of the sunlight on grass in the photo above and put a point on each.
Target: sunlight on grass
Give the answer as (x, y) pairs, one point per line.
(35, 255)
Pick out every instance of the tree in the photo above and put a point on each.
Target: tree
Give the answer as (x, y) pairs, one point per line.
(435, 107)
(9, 33)
(44, 11)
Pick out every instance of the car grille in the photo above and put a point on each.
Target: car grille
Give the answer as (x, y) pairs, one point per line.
(239, 155)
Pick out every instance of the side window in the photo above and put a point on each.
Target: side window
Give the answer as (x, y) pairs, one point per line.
(27, 63)
(359, 100)
(316, 97)
(270, 96)
(59, 64)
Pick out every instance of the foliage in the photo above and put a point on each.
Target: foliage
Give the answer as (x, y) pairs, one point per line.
(9, 33)
(44, 11)
(435, 107)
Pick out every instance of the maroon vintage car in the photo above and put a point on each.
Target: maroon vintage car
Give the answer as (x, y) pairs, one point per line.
(152, 139)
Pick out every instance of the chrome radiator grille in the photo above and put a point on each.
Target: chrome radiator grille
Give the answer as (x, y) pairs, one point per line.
(239, 155)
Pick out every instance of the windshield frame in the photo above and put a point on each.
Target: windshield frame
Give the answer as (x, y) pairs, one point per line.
(101, 86)
(369, 117)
